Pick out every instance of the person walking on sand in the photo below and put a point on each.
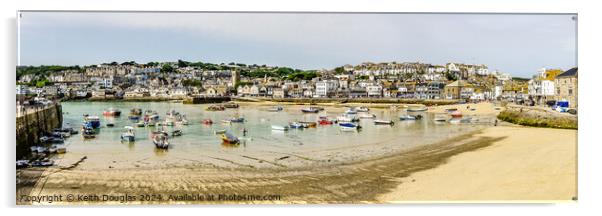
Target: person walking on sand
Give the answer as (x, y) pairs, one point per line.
(495, 123)
(244, 132)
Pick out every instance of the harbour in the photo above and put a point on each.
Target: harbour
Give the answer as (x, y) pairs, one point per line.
(260, 148)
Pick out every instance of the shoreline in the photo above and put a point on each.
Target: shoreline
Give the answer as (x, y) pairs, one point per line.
(337, 182)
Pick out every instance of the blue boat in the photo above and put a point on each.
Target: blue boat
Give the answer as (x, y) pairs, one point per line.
(348, 124)
(237, 120)
(134, 118)
(296, 125)
(93, 121)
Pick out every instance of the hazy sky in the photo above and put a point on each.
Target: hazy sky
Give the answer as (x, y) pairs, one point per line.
(518, 44)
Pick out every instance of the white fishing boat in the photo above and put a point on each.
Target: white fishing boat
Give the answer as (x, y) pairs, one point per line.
(275, 109)
(129, 135)
(350, 111)
(417, 109)
(347, 118)
(279, 127)
(366, 115)
(362, 109)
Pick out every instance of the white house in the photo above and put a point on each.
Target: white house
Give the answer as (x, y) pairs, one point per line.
(326, 88)
(374, 91)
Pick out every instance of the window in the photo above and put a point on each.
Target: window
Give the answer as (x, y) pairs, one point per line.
(570, 91)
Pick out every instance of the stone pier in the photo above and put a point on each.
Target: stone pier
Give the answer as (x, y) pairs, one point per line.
(33, 122)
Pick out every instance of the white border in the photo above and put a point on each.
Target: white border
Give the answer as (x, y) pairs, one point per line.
(589, 147)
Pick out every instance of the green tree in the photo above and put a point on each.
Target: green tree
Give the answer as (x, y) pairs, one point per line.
(339, 70)
(167, 68)
(183, 63)
(41, 83)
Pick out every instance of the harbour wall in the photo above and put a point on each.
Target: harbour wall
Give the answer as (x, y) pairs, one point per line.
(350, 100)
(205, 100)
(33, 122)
(538, 117)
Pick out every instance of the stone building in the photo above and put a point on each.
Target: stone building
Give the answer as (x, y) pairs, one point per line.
(566, 87)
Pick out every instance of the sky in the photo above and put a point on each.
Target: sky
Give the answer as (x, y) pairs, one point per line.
(516, 44)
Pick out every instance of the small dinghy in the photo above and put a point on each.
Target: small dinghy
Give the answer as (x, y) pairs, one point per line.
(228, 138)
(176, 133)
(279, 128)
(383, 122)
(275, 109)
(207, 121)
(366, 115)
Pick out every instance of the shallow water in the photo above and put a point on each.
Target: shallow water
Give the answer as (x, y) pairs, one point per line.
(199, 140)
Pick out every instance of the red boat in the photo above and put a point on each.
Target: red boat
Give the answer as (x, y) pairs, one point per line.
(112, 112)
(324, 121)
(207, 121)
(456, 114)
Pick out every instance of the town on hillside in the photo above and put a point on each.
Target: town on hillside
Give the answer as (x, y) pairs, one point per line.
(182, 79)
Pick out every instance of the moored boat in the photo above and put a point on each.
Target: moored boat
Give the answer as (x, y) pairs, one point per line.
(348, 126)
(22, 164)
(440, 118)
(229, 138)
(230, 105)
(275, 109)
(310, 110)
(129, 135)
(308, 124)
(296, 125)
(176, 133)
(417, 109)
(112, 112)
(347, 118)
(362, 109)
(94, 121)
(216, 108)
(350, 111)
(160, 140)
(325, 122)
(279, 127)
(366, 115)
(237, 120)
(409, 117)
(135, 112)
(383, 122)
(456, 114)
(207, 121)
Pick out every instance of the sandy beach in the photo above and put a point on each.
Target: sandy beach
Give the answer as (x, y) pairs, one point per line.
(528, 164)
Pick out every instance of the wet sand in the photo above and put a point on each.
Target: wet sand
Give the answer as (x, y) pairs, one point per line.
(326, 182)
(529, 164)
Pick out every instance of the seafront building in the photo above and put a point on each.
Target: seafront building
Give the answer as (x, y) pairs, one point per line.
(408, 80)
(566, 87)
